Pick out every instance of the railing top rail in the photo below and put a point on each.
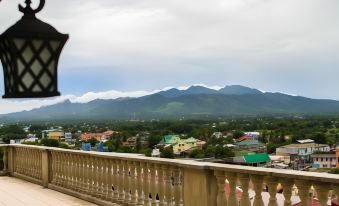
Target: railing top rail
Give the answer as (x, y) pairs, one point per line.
(279, 173)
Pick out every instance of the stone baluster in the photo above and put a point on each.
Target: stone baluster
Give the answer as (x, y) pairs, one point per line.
(177, 185)
(109, 178)
(232, 179)
(101, 179)
(303, 191)
(95, 177)
(138, 166)
(77, 160)
(91, 175)
(121, 183)
(272, 184)
(167, 175)
(64, 169)
(322, 190)
(287, 185)
(153, 183)
(146, 183)
(26, 168)
(85, 188)
(221, 196)
(257, 181)
(83, 171)
(56, 179)
(161, 184)
(116, 181)
(40, 165)
(4, 159)
(133, 179)
(126, 184)
(53, 161)
(72, 172)
(245, 181)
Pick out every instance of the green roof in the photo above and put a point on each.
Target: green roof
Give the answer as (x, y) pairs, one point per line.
(251, 142)
(257, 158)
(168, 138)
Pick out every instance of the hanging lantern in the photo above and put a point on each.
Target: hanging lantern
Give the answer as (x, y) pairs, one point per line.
(29, 52)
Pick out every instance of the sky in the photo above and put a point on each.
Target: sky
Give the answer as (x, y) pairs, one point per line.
(123, 48)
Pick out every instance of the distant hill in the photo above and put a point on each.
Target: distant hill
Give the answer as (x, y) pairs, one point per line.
(195, 102)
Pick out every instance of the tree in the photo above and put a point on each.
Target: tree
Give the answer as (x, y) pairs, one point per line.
(237, 134)
(50, 142)
(167, 153)
(93, 141)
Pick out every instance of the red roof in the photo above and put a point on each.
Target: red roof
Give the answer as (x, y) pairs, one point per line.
(245, 138)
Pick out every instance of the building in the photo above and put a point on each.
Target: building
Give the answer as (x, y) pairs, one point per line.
(68, 137)
(252, 145)
(181, 145)
(53, 134)
(104, 136)
(300, 153)
(132, 141)
(56, 135)
(324, 160)
(256, 160)
(302, 149)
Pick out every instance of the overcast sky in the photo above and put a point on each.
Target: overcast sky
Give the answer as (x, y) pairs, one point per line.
(290, 46)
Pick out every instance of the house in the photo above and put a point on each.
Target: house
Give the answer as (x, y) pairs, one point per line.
(181, 145)
(56, 135)
(302, 149)
(252, 134)
(243, 138)
(324, 160)
(252, 145)
(256, 160)
(300, 152)
(132, 141)
(99, 136)
(68, 137)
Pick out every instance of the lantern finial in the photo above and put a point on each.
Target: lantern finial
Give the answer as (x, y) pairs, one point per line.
(28, 10)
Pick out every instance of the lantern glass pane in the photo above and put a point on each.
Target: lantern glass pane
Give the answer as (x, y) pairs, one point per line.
(19, 43)
(37, 44)
(27, 79)
(45, 55)
(36, 67)
(20, 66)
(28, 54)
(55, 45)
(52, 67)
(45, 80)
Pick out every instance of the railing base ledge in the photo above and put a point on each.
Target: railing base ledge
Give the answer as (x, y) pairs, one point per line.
(24, 177)
(81, 196)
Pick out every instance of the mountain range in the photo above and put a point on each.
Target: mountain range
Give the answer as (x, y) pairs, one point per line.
(194, 102)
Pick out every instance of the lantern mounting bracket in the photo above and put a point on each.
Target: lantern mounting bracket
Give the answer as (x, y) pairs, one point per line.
(28, 10)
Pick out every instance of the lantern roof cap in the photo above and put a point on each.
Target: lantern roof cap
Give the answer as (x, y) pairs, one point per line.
(30, 26)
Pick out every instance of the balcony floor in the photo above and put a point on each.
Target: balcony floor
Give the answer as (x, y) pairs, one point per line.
(16, 192)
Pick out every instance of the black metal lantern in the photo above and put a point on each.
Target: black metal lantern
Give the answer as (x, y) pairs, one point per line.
(29, 52)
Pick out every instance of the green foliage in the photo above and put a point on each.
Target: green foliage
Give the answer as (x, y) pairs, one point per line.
(334, 171)
(63, 145)
(197, 154)
(93, 141)
(167, 153)
(9, 132)
(238, 134)
(50, 142)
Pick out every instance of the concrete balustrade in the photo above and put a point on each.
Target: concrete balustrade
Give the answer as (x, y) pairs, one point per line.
(129, 179)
